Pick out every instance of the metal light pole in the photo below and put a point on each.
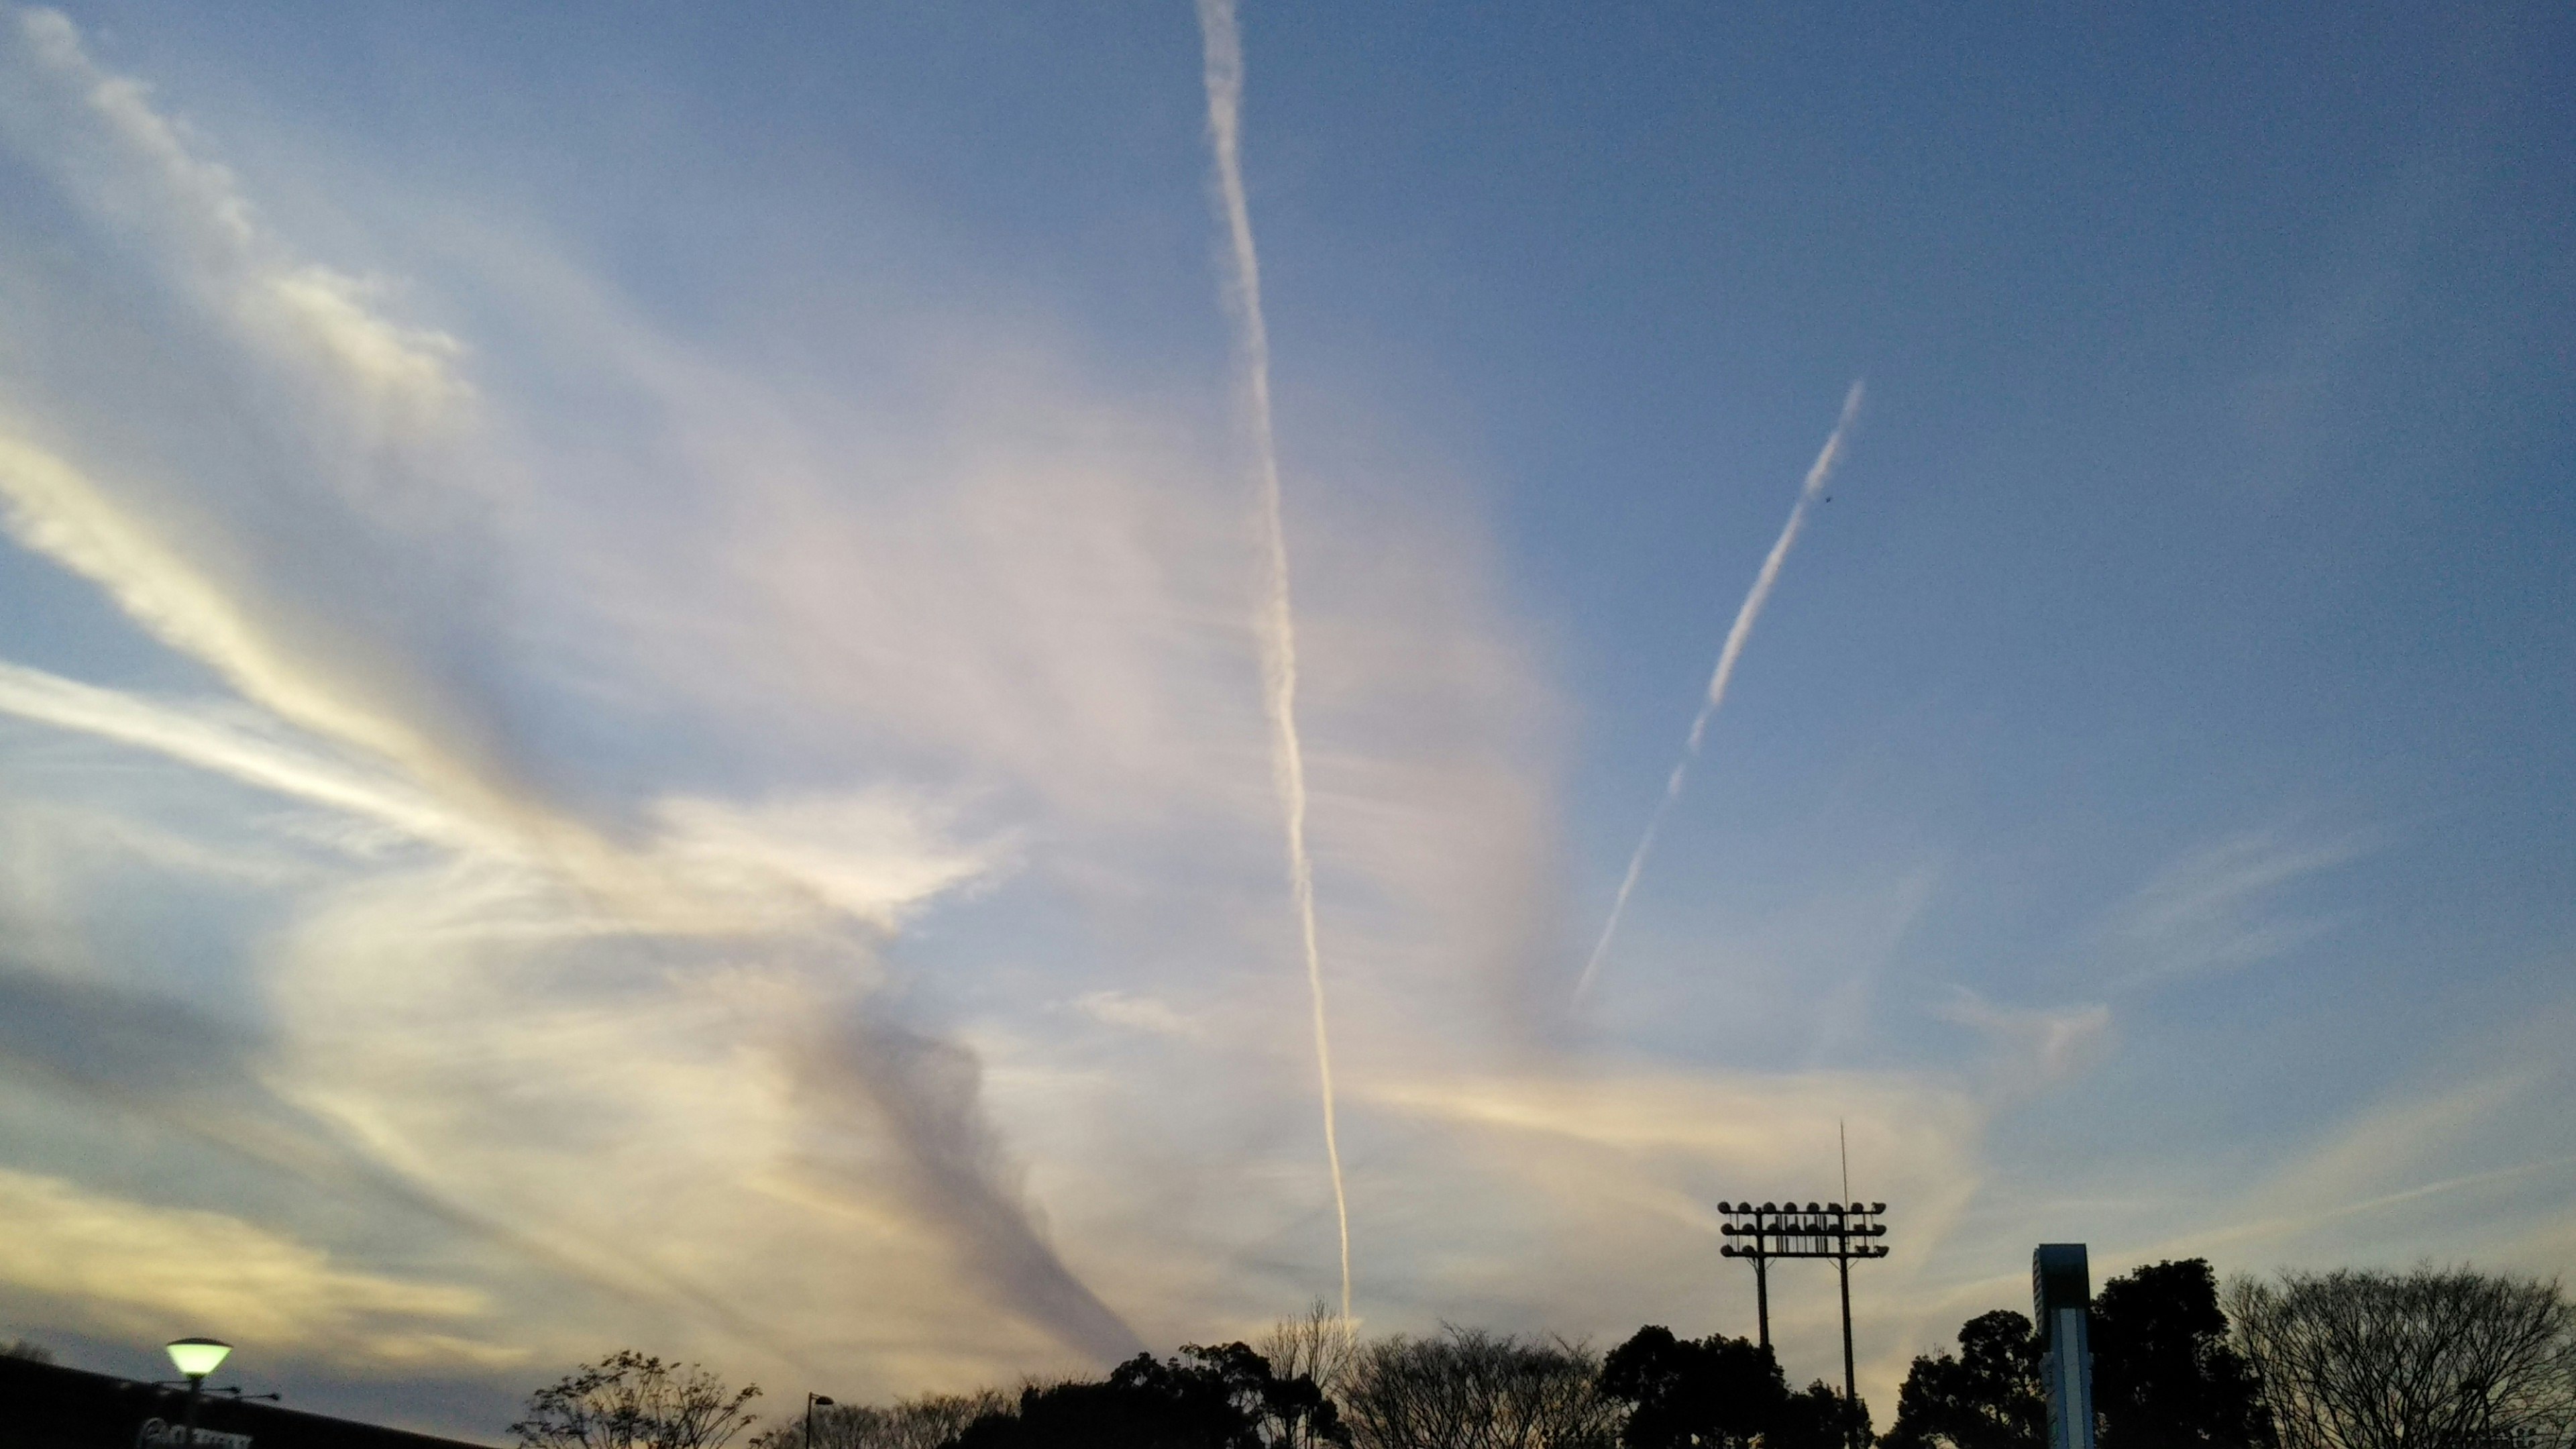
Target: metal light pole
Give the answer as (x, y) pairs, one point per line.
(811, 1399)
(195, 1358)
(1842, 1270)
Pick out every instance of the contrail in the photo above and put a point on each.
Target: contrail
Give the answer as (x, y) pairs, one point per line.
(1817, 475)
(1224, 73)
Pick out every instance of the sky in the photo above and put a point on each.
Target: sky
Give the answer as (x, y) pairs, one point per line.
(636, 672)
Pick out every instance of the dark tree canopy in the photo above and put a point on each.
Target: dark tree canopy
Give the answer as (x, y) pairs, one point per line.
(1208, 1398)
(2164, 1376)
(1988, 1397)
(1283, 1411)
(1818, 1417)
(928, 1421)
(1719, 1392)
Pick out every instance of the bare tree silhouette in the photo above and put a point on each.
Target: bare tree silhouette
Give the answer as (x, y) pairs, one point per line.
(630, 1400)
(2429, 1359)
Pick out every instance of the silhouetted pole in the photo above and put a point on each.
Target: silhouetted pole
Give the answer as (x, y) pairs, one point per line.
(1851, 1383)
(1762, 1297)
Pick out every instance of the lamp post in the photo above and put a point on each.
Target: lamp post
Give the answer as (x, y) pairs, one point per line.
(195, 1358)
(811, 1399)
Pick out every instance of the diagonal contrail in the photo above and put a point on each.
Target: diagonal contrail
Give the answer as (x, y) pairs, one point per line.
(1817, 474)
(1224, 74)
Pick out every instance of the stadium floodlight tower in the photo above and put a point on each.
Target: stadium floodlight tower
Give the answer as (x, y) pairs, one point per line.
(1841, 1231)
(2061, 1301)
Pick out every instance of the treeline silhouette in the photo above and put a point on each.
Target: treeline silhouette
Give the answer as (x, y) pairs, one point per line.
(2432, 1359)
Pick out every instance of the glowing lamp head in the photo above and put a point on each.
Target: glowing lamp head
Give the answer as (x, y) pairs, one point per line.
(198, 1357)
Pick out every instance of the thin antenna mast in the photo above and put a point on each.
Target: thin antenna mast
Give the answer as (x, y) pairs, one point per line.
(1842, 1266)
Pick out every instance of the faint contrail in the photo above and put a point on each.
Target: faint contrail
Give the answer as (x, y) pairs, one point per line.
(1817, 474)
(1224, 73)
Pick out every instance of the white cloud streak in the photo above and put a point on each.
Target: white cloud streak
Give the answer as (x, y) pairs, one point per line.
(1818, 474)
(56, 510)
(865, 858)
(1224, 75)
(231, 742)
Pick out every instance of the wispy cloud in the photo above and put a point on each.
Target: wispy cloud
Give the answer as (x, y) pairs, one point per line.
(2401, 1177)
(139, 174)
(681, 992)
(2217, 907)
(55, 509)
(2034, 1046)
(1131, 1012)
(341, 715)
(126, 1266)
(771, 854)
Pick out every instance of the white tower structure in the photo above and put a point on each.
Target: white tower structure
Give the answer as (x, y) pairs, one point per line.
(2061, 1304)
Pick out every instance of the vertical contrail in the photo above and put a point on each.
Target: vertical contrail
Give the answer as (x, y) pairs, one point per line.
(1224, 73)
(1817, 474)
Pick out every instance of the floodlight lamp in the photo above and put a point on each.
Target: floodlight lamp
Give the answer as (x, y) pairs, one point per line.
(198, 1357)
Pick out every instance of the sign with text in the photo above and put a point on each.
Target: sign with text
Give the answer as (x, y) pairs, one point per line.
(161, 1434)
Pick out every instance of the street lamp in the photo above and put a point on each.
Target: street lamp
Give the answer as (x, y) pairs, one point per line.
(195, 1358)
(811, 1399)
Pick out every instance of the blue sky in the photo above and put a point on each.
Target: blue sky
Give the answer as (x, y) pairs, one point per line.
(632, 711)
